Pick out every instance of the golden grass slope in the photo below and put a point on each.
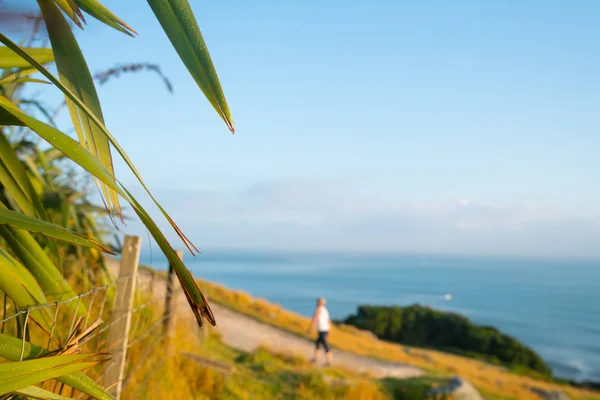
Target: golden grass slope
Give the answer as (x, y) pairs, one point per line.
(493, 381)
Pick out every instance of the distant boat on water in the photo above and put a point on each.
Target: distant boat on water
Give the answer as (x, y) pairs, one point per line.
(448, 296)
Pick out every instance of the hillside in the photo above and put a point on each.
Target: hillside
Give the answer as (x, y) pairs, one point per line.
(212, 369)
(493, 381)
(234, 310)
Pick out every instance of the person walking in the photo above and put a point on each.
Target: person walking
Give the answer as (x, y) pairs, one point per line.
(323, 324)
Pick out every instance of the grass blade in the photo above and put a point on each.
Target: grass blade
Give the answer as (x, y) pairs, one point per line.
(4, 39)
(13, 176)
(10, 349)
(103, 14)
(35, 259)
(10, 59)
(178, 22)
(12, 188)
(71, 9)
(18, 283)
(75, 75)
(63, 143)
(40, 107)
(21, 187)
(35, 392)
(190, 288)
(7, 119)
(18, 375)
(86, 160)
(28, 80)
(18, 220)
(16, 76)
(20, 279)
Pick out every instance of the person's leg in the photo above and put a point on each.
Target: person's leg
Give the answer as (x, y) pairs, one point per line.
(328, 353)
(317, 345)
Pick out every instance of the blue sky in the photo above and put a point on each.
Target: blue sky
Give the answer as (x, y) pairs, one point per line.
(429, 126)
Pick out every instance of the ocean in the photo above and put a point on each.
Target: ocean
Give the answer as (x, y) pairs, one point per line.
(551, 305)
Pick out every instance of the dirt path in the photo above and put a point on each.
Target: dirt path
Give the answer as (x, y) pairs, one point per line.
(245, 333)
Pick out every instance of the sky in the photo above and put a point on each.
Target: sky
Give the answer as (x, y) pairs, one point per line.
(466, 127)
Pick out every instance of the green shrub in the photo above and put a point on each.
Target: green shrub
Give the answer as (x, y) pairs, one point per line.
(421, 326)
(412, 389)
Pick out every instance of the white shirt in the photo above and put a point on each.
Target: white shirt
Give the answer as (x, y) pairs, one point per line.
(323, 320)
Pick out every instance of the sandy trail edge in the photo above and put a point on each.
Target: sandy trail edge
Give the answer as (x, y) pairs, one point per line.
(245, 333)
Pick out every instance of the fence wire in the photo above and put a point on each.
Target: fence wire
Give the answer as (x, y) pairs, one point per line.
(82, 324)
(147, 334)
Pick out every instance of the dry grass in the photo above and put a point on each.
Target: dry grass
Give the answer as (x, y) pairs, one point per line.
(169, 373)
(158, 369)
(365, 391)
(258, 375)
(176, 374)
(493, 380)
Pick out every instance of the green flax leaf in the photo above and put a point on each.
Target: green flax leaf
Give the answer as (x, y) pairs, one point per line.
(103, 14)
(13, 46)
(10, 59)
(178, 22)
(22, 374)
(18, 220)
(75, 75)
(18, 284)
(71, 9)
(34, 392)
(10, 349)
(86, 160)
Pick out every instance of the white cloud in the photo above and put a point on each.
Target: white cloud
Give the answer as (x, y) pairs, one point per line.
(464, 202)
(305, 214)
(462, 224)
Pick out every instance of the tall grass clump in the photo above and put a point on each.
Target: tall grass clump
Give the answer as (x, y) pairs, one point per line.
(51, 238)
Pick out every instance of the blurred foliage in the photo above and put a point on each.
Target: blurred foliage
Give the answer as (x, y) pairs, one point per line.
(425, 327)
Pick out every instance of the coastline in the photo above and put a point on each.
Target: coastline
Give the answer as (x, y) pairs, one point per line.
(547, 306)
(486, 377)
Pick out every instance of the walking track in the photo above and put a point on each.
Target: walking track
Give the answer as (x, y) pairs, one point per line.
(245, 333)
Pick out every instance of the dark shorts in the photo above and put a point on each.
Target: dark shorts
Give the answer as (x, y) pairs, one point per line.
(322, 340)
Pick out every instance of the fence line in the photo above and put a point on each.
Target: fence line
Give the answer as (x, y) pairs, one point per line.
(119, 332)
(58, 303)
(93, 322)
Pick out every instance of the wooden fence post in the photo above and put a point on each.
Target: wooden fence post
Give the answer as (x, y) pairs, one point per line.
(205, 329)
(119, 331)
(173, 289)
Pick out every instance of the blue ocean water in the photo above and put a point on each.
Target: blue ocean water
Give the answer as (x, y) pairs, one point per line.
(551, 305)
